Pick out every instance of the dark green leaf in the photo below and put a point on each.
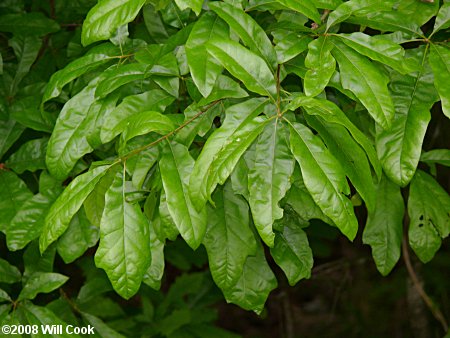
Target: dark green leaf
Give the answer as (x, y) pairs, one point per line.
(30, 156)
(124, 249)
(305, 7)
(289, 44)
(429, 213)
(28, 24)
(10, 131)
(384, 227)
(13, 193)
(9, 273)
(155, 271)
(101, 328)
(228, 239)
(324, 178)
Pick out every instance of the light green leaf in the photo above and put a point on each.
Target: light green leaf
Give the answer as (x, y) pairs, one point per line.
(155, 271)
(165, 226)
(384, 227)
(429, 213)
(289, 44)
(108, 15)
(321, 66)
(291, 250)
(379, 49)
(351, 157)
(80, 236)
(28, 222)
(324, 179)
(306, 7)
(399, 147)
(124, 249)
(144, 123)
(13, 193)
(94, 58)
(440, 64)
(440, 156)
(9, 273)
(237, 117)
(69, 140)
(248, 30)
(195, 5)
(67, 205)
(10, 131)
(41, 282)
(269, 178)
(30, 156)
(366, 81)
(203, 67)
(333, 114)
(442, 18)
(253, 287)
(176, 166)
(152, 100)
(244, 65)
(228, 239)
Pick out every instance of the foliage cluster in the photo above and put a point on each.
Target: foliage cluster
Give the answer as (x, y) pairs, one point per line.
(229, 124)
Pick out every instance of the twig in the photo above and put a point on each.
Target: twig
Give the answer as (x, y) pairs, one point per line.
(434, 310)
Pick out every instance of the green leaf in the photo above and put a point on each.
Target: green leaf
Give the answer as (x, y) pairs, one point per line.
(237, 117)
(176, 166)
(289, 44)
(224, 87)
(79, 237)
(152, 100)
(333, 114)
(442, 18)
(26, 111)
(101, 328)
(384, 227)
(429, 213)
(67, 205)
(144, 123)
(248, 30)
(254, 285)
(9, 273)
(155, 271)
(440, 64)
(28, 222)
(4, 297)
(10, 131)
(30, 156)
(38, 315)
(165, 226)
(306, 7)
(228, 239)
(195, 5)
(378, 49)
(321, 66)
(28, 24)
(108, 15)
(366, 81)
(13, 193)
(269, 178)
(440, 156)
(350, 156)
(93, 59)
(291, 250)
(255, 75)
(399, 147)
(41, 282)
(69, 140)
(124, 249)
(203, 67)
(324, 178)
